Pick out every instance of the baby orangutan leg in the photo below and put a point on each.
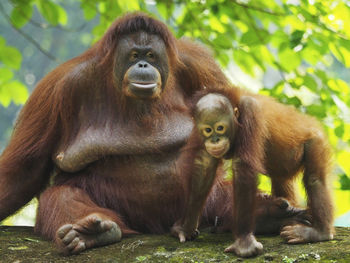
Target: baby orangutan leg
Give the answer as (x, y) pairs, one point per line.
(91, 231)
(319, 201)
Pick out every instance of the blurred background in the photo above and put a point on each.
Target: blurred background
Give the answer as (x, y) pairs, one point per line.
(297, 51)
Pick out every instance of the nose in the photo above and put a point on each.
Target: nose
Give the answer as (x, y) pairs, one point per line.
(215, 139)
(142, 64)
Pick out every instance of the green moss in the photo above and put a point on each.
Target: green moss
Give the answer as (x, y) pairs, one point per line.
(19, 243)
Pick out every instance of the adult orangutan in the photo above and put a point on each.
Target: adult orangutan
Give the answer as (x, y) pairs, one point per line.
(108, 126)
(259, 135)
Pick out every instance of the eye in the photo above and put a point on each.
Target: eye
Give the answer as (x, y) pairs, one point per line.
(207, 131)
(134, 55)
(150, 54)
(220, 128)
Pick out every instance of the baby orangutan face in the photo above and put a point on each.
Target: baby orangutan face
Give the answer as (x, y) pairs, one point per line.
(214, 118)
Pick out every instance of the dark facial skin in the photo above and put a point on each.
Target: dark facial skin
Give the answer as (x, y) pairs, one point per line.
(141, 65)
(214, 120)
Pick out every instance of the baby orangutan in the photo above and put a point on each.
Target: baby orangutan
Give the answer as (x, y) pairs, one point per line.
(260, 135)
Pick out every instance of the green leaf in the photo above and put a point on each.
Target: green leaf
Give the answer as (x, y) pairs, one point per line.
(295, 38)
(165, 8)
(50, 11)
(21, 14)
(11, 57)
(89, 9)
(224, 59)
(294, 101)
(2, 42)
(5, 98)
(339, 86)
(310, 82)
(339, 131)
(5, 75)
(255, 38)
(341, 53)
(223, 41)
(129, 5)
(216, 25)
(62, 15)
(344, 182)
(289, 59)
(244, 60)
(18, 91)
(317, 110)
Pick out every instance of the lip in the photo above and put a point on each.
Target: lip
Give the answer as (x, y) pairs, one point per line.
(217, 152)
(144, 85)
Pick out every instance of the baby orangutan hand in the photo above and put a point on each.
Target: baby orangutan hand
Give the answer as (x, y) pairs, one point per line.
(184, 233)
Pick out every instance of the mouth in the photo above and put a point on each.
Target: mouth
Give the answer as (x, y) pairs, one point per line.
(217, 152)
(144, 85)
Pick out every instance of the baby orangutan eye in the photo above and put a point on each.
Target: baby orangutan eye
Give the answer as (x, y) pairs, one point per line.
(207, 131)
(220, 128)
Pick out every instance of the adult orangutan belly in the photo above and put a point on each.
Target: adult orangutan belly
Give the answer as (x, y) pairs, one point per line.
(146, 190)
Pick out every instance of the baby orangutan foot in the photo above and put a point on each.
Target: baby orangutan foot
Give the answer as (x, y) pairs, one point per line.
(91, 231)
(298, 233)
(246, 246)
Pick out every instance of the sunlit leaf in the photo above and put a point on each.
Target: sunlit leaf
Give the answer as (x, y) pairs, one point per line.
(62, 15)
(216, 24)
(343, 158)
(128, 5)
(289, 59)
(5, 75)
(17, 91)
(11, 57)
(5, 96)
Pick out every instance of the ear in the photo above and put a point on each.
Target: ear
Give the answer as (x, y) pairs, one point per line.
(236, 112)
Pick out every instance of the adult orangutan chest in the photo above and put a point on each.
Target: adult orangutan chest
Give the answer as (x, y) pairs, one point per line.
(95, 143)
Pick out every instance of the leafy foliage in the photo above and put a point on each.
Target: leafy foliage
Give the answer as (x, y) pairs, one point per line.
(299, 50)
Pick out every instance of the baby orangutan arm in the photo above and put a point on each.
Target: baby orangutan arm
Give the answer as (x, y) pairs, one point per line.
(201, 181)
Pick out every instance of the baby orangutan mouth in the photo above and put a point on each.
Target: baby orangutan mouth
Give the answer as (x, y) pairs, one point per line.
(218, 149)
